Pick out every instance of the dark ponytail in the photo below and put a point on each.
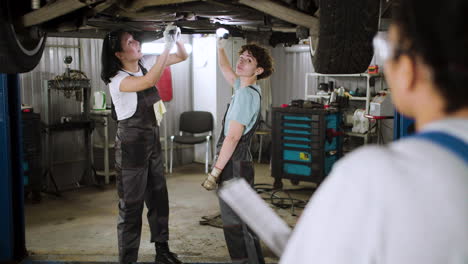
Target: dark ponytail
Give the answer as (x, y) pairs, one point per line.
(110, 63)
(437, 32)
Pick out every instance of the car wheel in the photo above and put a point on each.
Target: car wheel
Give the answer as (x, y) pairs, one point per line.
(345, 36)
(294, 181)
(20, 49)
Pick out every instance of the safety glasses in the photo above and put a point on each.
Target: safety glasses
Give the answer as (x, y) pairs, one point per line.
(384, 50)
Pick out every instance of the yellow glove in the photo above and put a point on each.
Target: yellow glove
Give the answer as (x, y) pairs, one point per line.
(211, 181)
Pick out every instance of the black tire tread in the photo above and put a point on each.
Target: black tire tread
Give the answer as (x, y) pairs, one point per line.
(345, 37)
(12, 58)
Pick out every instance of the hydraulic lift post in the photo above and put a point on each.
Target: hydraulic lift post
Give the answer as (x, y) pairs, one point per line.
(12, 244)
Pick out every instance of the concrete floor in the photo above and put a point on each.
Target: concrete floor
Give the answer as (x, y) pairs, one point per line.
(81, 225)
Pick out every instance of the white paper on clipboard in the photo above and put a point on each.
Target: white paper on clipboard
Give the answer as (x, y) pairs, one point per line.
(256, 213)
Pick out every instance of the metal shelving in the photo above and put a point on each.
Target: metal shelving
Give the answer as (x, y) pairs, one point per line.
(368, 77)
(367, 99)
(102, 118)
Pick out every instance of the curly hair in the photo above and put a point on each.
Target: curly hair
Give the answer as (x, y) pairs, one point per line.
(263, 58)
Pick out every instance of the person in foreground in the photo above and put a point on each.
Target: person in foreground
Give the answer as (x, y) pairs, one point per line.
(407, 202)
(233, 158)
(140, 177)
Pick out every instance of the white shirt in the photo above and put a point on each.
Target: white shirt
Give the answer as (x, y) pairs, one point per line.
(125, 103)
(406, 203)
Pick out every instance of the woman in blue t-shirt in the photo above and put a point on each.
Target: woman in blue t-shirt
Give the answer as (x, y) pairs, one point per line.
(233, 158)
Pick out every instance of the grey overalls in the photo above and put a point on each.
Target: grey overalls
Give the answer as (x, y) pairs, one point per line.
(242, 243)
(140, 177)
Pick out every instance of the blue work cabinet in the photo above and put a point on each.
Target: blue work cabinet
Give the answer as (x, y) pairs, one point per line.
(305, 143)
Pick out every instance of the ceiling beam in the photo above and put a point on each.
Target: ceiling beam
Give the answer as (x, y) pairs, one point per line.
(138, 5)
(49, 12)
(284, 13)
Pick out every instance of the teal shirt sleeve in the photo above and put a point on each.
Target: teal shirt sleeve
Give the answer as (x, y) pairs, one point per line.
(236, 84)
(245, 106)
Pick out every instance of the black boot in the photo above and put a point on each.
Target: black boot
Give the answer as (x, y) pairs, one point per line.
(164, 256)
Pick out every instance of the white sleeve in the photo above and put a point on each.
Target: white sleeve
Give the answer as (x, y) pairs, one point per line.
(114, 85)
(148, 61)
(340, 223)
(121, 105)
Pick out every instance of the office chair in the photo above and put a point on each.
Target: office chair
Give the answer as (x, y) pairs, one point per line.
(194, 122)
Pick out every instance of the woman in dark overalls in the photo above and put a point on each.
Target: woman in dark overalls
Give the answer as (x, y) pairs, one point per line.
(233, 158)
(140, 178)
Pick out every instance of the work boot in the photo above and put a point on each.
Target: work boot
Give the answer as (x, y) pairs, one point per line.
(164, 256)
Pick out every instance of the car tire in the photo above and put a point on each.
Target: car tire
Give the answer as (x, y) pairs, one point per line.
(345, 36)
(19, 51)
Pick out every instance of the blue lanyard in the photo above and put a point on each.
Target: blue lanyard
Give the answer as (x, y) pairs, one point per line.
(454, 144)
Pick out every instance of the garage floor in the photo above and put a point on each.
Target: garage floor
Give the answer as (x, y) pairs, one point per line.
(81, 225)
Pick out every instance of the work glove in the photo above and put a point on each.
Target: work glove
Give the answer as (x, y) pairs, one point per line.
(170, 36)
(222, 43)
(212, 178)
(177, 34)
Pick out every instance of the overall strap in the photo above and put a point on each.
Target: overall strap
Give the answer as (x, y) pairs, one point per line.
(148, 96)
(253, 88)
(113, 112)
(260, 106)
(143, 69)
(452, 143)
(227, 108)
